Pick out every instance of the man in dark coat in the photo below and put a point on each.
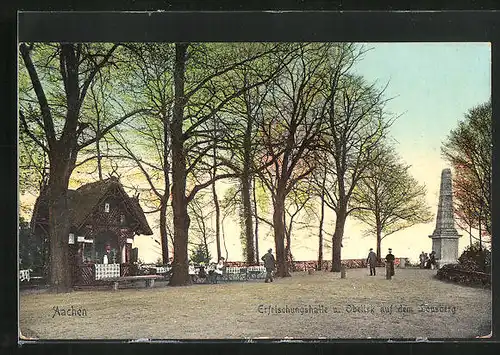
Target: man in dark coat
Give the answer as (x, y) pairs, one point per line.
(389, 258)
(269, 264)
(372, 261)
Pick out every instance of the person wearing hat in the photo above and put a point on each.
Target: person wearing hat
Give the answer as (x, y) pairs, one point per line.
(269, 264)
(389, 258)
(372, 261)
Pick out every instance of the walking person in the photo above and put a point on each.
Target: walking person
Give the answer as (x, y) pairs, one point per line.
(269, 264)
(389, 258)
(371, 260)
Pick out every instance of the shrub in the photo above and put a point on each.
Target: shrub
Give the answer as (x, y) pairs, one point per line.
(200, 255)
(459, 274)
(476, 259)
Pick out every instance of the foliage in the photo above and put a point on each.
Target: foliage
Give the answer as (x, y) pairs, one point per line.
(476, 258)
(30, 249)
(458, 273)
(469, 149)
(389, 199)
(199, 254)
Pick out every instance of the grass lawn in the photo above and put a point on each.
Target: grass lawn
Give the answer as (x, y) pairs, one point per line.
(231, 310)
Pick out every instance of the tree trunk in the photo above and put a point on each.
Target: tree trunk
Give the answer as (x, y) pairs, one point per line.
(180, 275)
(215, 197)
(320, 243)
(247, 215)
(470, 235)
(256, 222)
(217, 220)
(205, 244)
(60, 265)
(166, 195)
(279, 235)
(337, 240)
(288, 250)
(98, 148)
(163, 229)
(246, 184)
(379, 242)
(480, 232)
(321, 221)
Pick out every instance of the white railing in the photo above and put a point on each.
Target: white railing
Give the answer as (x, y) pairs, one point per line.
(162, 269)
(24, 275)
(232, 270)
(103, 271)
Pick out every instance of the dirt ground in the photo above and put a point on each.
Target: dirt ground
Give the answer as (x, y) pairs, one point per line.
(323, 305)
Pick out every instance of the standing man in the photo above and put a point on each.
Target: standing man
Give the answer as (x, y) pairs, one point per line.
(372, 261)
(389, 258)
(432, 259)
(269, 264)
(422, 260)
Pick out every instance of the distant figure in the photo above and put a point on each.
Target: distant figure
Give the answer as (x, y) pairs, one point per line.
(422, 260)
(269, 264)
(389, 258)
(432, 260)
(105, 259)
(217, 271)
(192, 272)
(202, 274)
(220, 266)
(427, 263)
(371, 260)
(211, 272)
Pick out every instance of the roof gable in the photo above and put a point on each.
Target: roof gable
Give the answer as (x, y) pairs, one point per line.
(82, 202)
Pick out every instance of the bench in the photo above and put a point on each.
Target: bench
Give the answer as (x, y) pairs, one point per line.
(149, 279)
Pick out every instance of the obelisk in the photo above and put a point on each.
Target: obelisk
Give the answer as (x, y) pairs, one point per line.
(445, 236)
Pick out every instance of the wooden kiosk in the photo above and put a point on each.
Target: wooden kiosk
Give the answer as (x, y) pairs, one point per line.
(104, 221)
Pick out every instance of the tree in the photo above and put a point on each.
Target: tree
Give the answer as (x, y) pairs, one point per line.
(149, 83)
(60, 75)
(203, 85)
(246, 146)
(469, 149)
(300, 199)
(255, 213)
(240, 118)
(357, 124)
(319, 182)
(201, 233)
(389, 198)
(292, 131)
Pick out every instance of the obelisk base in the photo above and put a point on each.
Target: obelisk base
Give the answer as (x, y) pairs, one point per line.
(446, 248)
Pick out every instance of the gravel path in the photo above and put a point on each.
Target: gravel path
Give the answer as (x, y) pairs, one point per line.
(413, 304)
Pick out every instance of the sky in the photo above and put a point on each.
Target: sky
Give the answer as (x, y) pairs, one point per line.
(431, 86)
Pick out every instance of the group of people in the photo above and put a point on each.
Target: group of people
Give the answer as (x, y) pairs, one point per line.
(428, 261)
(372, 259)
(212, 272)
(215, 271)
